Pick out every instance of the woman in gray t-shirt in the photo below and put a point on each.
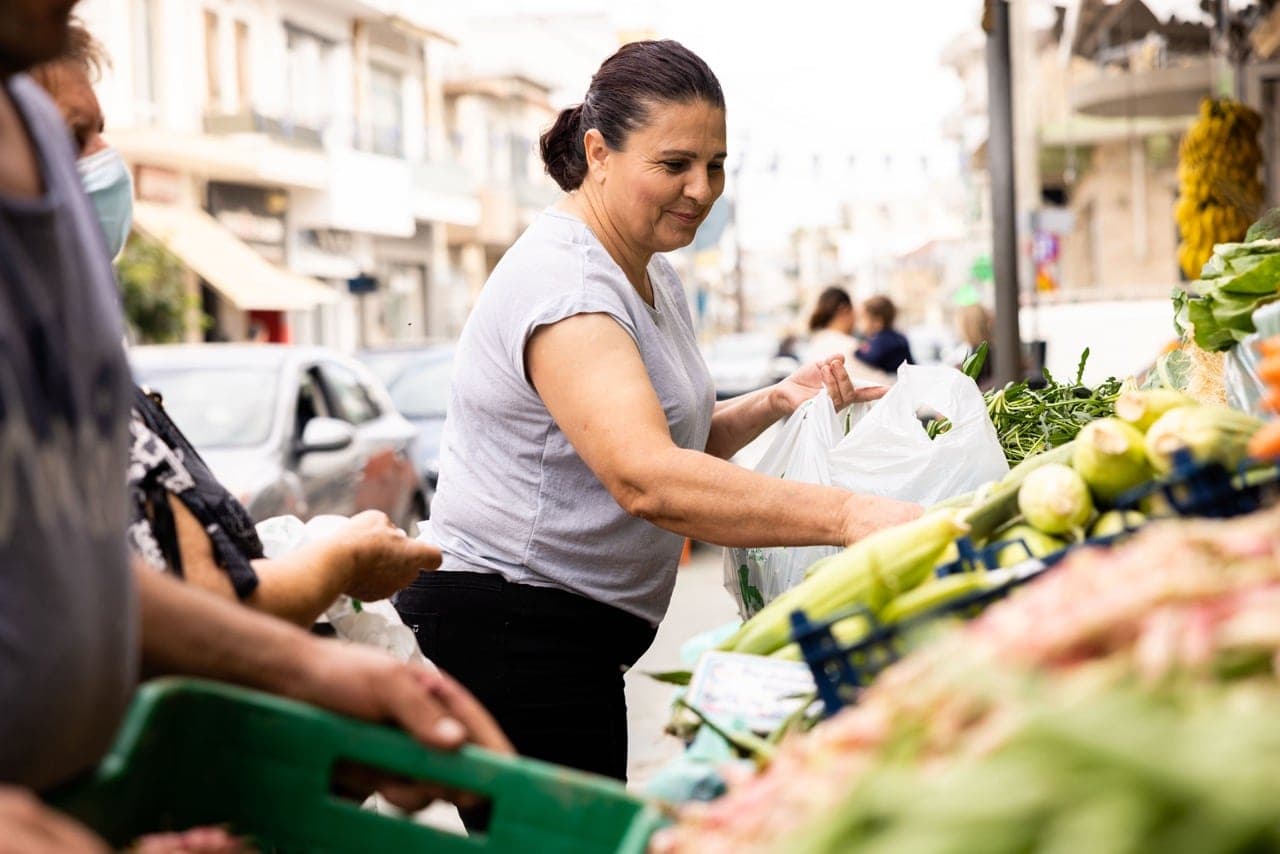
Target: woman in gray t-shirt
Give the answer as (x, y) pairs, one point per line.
(584, 443)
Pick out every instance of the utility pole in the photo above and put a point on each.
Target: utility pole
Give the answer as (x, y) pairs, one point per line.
(1000, 164)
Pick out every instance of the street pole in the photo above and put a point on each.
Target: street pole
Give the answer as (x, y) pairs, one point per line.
(1000, 164)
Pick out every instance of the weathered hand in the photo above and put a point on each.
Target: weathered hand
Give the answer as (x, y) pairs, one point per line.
(866, 514)
(383, 558)
(431, 706)
(810, 379)
(29, 827)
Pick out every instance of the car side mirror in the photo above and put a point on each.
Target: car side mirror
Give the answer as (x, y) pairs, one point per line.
(326, 434)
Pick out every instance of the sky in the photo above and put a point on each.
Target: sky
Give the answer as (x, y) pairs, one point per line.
(812, 86)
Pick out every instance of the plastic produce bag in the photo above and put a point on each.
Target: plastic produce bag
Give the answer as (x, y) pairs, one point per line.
(755, 577)
(1245, 389)
(888, 453)
(375, 624)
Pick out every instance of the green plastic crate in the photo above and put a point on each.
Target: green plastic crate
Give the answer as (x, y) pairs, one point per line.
(199, 753)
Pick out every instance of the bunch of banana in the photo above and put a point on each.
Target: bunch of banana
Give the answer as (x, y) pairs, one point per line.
(1219, 190)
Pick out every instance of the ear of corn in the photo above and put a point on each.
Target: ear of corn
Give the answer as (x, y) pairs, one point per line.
(1001, 504)
(1141, 408)
(1209, 433)
(870, 572)
(934, 593)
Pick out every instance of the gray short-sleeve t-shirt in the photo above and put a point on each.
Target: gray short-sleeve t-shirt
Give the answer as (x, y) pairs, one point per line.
(514, 496)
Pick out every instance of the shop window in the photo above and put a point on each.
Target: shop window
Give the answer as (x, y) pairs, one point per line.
(308, 70)
(146, 98)
(212, 60)
(387, 110)
(242, 65)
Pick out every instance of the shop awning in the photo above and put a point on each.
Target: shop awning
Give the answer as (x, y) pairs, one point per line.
(249, 281)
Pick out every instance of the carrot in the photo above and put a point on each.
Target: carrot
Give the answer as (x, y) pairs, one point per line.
(1270, 346)
(1269, 370)
(1265, 444)
(1271, 399)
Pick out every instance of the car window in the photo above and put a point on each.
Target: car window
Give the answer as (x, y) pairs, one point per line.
(217, 407)
(346, 394)
(310, 403)
(422, 390)
(386, 366)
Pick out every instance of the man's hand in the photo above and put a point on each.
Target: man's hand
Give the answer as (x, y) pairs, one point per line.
(430, 705)
(364, 683)
(29, 827)
(383, 558)
(830, 374)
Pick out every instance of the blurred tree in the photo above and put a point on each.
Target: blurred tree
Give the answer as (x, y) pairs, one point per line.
(153, 291)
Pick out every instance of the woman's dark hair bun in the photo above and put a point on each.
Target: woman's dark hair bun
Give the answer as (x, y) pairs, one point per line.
(622, 91)
(562, 151)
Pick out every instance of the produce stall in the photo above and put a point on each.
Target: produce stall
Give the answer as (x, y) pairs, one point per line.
(1083, 655)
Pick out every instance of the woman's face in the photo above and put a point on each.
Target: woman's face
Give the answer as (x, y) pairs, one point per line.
(843, 319)
(660, 187)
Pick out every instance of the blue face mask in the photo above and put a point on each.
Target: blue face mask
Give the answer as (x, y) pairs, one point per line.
(110, 187)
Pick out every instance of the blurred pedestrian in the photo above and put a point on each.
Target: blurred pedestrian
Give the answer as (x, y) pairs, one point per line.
(975, 323)
(831, 326)
(884, 347)
(584, 442)
(76, 621)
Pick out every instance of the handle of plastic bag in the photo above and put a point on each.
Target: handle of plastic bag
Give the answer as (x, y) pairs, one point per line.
(943, 389)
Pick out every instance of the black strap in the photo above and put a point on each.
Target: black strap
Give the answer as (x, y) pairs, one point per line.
(230, 528)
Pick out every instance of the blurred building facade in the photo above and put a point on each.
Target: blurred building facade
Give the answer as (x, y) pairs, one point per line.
(320, 167)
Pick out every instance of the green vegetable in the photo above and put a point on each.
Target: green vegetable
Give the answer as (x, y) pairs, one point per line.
(1142, 408)
(1266, 228)
(934, 593)
(870, 572)
(1001, 504)
(975, 362)
(1209, 433)
(1034, 543)
(1110, 457)
(1055, 499)
(1218, 309)
(1030, 421)
(1116, 522)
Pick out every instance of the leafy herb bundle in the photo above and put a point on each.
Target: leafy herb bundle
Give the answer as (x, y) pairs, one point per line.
(1030, 420)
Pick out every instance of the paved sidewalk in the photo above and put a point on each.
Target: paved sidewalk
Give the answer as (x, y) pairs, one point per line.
(700, 602)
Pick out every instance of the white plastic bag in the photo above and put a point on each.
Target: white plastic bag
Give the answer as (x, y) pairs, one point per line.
(375, 624)
(754, 577)
(888, 452)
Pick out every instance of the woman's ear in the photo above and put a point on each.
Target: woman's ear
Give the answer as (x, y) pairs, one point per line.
(597, 152)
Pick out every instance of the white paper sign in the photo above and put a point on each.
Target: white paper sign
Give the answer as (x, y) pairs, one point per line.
(749, 691)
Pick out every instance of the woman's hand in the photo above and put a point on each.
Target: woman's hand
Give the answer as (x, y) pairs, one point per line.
(866, 514)
(812, 378)
(383, 558)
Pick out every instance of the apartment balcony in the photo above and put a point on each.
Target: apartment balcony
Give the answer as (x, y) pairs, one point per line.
(1158, 92)
(366, 192)
(444, 192)
(254, 122)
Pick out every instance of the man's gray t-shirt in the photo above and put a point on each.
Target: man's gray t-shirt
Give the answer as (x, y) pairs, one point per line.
(68, 650)
(514, 496)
